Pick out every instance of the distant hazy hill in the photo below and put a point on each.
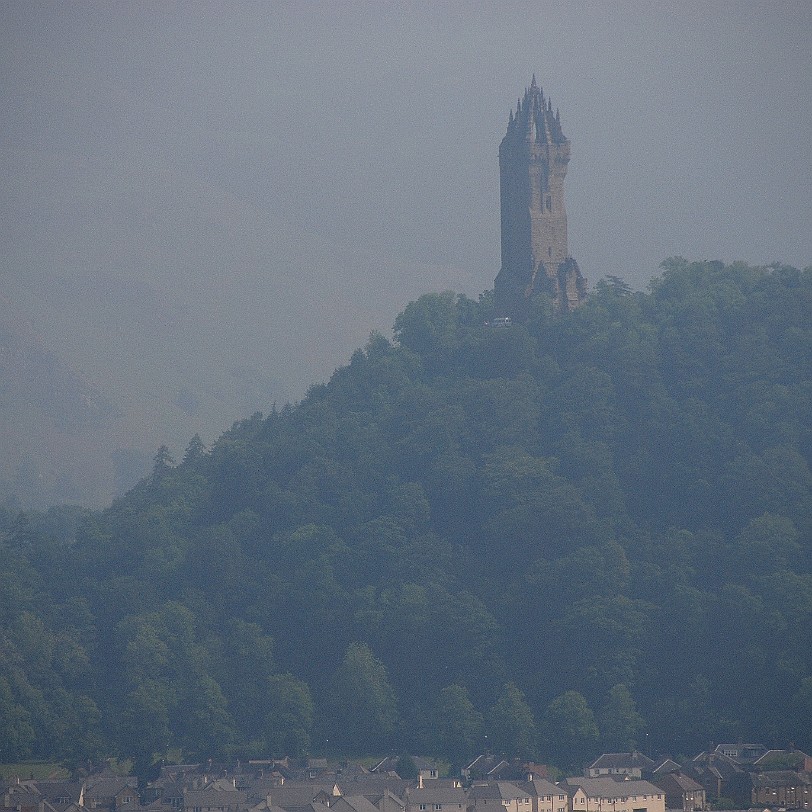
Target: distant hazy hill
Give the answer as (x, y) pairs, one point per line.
(186, 303)
(52, 420)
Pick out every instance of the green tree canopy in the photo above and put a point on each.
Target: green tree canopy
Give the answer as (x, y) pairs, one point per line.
(510, 724)
(361, 704)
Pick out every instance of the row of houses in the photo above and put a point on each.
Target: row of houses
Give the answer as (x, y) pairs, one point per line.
(105, 791)
(751, 775)
(352, 792)
(746, 774)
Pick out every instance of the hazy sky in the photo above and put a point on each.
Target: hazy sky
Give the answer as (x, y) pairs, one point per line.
(228, 197)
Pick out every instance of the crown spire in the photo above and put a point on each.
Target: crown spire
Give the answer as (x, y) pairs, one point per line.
(534, 120)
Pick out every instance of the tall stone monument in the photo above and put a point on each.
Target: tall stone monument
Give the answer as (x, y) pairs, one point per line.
(533, 158)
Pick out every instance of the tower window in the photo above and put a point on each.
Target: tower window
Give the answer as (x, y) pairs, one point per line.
(549, 203)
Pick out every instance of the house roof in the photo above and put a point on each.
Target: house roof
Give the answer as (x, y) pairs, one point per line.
(22, 797)
(782, 759)
(353, 803)
(486, 764)
(615, 761)
(781, 778)
(606, 787)
(172, 773)
(741, 751)
(667, 765)
(375, 784)
(298, 794)
(110, 787)
(213, 798)
(375, 797)
(676, 783)
(314, 807)
(536, 770)
(431, 793)
(501, 790)
(55, 789)
(540, 787)
(718, 763)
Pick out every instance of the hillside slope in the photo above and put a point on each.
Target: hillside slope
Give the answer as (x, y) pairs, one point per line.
(565, 536)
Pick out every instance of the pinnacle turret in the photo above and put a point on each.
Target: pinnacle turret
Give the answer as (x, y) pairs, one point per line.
(534, 120)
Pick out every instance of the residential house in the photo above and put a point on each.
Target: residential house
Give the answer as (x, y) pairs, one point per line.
(316, 766)
(633, 765)
(169, 793)
(720, 777)
(605, 794)
(110, 792)
(546, 796)
(297, 794)
(436, 796)
(791, 759)
(386, 801)
(667, 765)
(17, 796)
(681, 791)
(427, 768)
(532, 770)
(352, 803)
(498, 796)
(485, 767)
(60, 794)
(214, 800)
(387, 792)
(783, 789)
(742, 753)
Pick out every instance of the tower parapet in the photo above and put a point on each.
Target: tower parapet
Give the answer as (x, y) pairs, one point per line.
(533, 158)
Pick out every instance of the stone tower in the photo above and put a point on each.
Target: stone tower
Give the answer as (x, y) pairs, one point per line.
(533, 158)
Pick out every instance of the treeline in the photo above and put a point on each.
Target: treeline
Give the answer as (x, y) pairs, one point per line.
(581, 534)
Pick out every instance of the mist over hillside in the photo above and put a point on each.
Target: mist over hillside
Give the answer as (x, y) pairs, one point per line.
(204, 213)
(178, 353)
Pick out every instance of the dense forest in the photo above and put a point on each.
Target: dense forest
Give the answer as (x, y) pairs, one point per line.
(579, 534)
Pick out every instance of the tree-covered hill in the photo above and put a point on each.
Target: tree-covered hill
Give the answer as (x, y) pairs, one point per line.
(567, 536)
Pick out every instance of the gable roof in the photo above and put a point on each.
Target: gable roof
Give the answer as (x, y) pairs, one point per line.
(783, 760)
(606, 787)
(486, 764)
(781, 778)
(676, 783)
(667, 765)
(59, 793)
(716, 763)
(540, 787)
(214, 798)
(434, 793)
(353, 803)
(744, 753)
(616, 761)
(376, 797)
(300, 794)
(497, 790)
(370, 784)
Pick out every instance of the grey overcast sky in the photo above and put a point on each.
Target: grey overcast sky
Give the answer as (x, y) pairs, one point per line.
(207, 206)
